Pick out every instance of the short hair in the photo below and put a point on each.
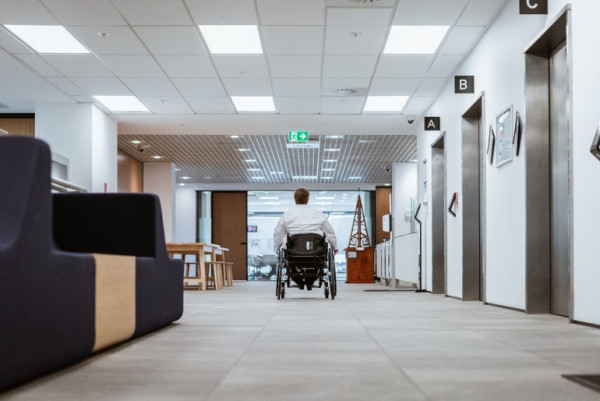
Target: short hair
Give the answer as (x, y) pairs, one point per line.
(301, 196)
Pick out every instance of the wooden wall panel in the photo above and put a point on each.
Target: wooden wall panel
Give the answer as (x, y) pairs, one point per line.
(18, 126)
(382, 206)
(130, 173)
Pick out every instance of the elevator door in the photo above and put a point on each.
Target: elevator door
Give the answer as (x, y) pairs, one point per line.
(559, 183)
(438, 199)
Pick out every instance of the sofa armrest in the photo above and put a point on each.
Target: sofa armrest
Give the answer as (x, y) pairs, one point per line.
(119, 224)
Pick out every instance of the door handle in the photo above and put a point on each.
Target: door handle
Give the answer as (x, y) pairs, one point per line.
(242, 243)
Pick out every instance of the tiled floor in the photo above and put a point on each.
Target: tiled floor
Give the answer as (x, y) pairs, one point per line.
(243, 344)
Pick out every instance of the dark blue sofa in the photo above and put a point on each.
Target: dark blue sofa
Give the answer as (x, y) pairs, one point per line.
(78, 272)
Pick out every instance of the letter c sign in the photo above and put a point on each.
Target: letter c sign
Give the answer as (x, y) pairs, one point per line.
(533, 6)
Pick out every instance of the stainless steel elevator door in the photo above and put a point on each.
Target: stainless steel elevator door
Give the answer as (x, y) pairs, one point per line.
(560, 275)
(438, 242)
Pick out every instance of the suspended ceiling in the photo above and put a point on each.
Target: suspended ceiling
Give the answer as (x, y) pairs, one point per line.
(316, 54)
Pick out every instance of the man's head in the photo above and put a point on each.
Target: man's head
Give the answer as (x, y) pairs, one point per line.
(301, 196)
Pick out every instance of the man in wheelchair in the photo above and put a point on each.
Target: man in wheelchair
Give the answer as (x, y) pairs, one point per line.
(299, 225)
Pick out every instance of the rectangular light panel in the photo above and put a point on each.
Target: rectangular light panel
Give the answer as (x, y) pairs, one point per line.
(232, 39)
(48, 39)
(415, 39)
(253, 103)
(121, 103)
(385, 103)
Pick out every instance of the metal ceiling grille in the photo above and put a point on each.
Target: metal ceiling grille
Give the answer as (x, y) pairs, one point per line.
(266, 159)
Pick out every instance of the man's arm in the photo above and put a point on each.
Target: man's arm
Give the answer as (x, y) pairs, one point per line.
(330, 233)
(278, 234)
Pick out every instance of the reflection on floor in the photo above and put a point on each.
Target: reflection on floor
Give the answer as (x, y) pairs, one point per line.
(243, 344)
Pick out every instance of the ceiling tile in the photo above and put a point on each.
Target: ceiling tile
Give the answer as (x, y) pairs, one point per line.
(349, 66)
(298, 105)
(199, 86)
(11, 44)
(418, 105)
(213, 105)
(86, 12)
(480, 12)
(132, 65)
(407, 66)
(358, 16)
(171, 40)
(338, 83)
(153, 12)
(223, 12)
(78, 65)
(293, 39)
(355, 39)
(295, 66)
(39, 65)
(394, 86)
(291, 12)
(151, 87)
(120, 40)
(428, 12)
(443, 66)
(26, 12)
(166, 105)
(241, 66)
(296, 87)
(430, 86)
(342, 105)
(461, 40)
(361, 3)
(102, 86)
(66, 86)
(248, 87)
(178, 65)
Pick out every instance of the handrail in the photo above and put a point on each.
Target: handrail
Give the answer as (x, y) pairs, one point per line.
(65, 186)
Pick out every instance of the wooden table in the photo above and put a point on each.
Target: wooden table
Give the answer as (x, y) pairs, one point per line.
(200, 249)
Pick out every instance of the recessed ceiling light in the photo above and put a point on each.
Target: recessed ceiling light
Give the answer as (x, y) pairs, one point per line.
(253, 169)
(250, 160)
(387, 184)
(234, 136)
(327, 178)
(304, 177)
(207, 178)
(329, 161)
(232, 39)
(48, 39)
(334, 136)
(185, 178)
(136, 141)
(258, 178)
(157, 157)
(244, 150)
(413, 160)
(355, 178)
(276, 172)
(181, 184)
(385, 103)
(332, 150)
(327, 169)
(177, 169)
(253, 103)
(121, 103)
(414, 39)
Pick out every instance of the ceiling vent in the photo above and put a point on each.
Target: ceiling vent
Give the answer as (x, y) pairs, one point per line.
(344, 92)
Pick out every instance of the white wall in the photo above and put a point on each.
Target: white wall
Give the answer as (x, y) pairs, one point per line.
(185, 215)
(498, 65)
(404, 188)
(104, 151)
(87, 137)
(159, 178)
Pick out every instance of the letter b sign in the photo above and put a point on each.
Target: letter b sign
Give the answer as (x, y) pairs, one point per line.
(533, 6)
(464, 84)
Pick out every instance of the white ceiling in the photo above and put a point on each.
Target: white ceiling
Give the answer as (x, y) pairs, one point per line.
(313, 48)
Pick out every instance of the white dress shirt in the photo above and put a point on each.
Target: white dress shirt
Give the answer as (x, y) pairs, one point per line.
(303, 219)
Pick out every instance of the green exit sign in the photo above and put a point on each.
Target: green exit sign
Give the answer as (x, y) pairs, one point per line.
(298, 136)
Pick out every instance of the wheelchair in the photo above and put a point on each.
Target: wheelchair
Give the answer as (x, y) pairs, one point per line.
(306, 256)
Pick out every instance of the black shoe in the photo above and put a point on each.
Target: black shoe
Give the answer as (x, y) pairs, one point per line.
(301, 286)
(309, 287)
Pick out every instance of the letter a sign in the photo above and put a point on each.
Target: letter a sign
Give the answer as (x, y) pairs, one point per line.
(432, 123)
(464, 84)
(533, 6)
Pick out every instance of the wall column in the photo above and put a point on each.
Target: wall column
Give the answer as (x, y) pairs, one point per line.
(159, 178)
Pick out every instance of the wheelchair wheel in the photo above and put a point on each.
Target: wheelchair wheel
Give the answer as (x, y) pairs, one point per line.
(332, 278)
(282, 293)
(326, 291)
(279, 283)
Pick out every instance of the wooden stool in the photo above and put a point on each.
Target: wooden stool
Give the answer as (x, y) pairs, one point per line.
(187, 279)
(228, 273)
